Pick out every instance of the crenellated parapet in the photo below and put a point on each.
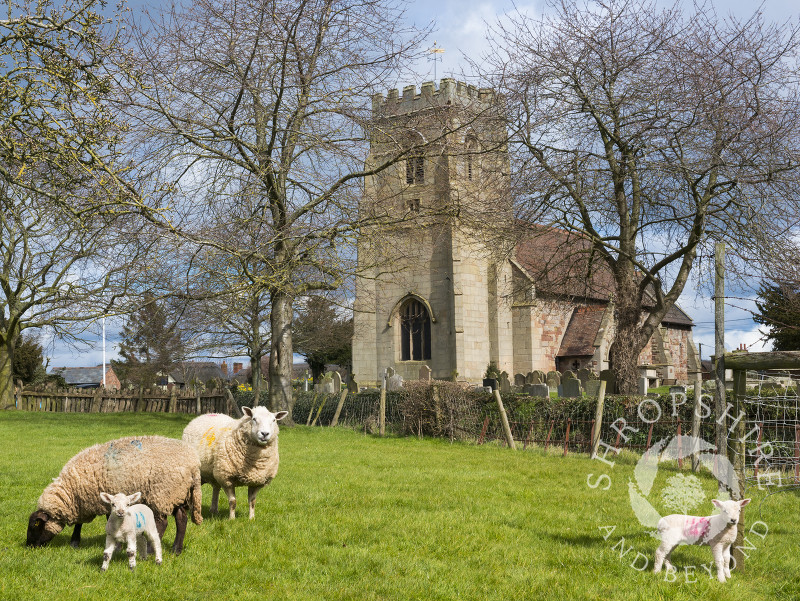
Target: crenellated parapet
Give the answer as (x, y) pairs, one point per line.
(450, 92)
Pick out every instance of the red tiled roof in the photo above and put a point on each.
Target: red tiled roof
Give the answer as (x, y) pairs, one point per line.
(581, 331)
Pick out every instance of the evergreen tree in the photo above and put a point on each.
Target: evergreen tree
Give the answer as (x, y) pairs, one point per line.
(779, 308)
(28, 361)
(150, 346)
(322, 336)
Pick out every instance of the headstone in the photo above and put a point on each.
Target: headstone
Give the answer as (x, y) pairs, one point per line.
(593, 388)
(394, 383)
(490, 383)
(677, 389)
(643, 384)
(519, 380)
(541, 375)
(352, 385)
(325, 385)
(584, 375)
(537, 390)
(536, 377)
(425, 373)
(305, 382)
(337, 382)
(553, 379)
(505, 384)
(389, 372)
(571, 388)
(529, 378)
(568, 375)
(611, 381)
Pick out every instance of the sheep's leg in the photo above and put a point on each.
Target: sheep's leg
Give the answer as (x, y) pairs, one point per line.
(161, 527)
(141, 541)
(111, 544)
(181, 519)
(662, 556)
(230, 492)
(75, 540)
(132, 550)
(719, 559)
(155, 541)
(252, 491)
(214, 498)
(726, 559)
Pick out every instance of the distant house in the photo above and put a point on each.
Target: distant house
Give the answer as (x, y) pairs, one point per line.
(187, 373)
(88, 377)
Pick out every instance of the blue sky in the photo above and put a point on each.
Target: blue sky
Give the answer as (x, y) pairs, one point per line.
(459, 30)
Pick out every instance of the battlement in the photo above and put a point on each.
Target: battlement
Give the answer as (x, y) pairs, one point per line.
(450, 92)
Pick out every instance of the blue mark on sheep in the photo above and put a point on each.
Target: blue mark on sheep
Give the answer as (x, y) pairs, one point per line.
(112, 453)
(140, 521)
(137, 444)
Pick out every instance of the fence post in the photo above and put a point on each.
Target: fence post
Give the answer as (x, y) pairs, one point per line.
(382, 408)
(173, 400)
(18, 395)
(598, 418)
(504, 420)
(737, 458)
(680, 446)
(342, 397)
(566, 437)
(319, 411)
(311, 409)
(698, 395)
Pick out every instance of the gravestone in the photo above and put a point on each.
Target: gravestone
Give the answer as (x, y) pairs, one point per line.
(553, 380)
(677, 389)
(490, 383)
(568, 375)
(325, 385)
(537, 390)
(394, 383)
(389, 372)
(643, 384)
(584, 375)
(571, 388)
(425, 373)
(519, 380)
(611, 381)
(337, 382)
(529, 378)
(505, 384)
(593, 388)
(542, 376)
(352, 385)
(536, 377)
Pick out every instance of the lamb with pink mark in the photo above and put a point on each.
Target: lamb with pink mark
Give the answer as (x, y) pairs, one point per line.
(717, 531)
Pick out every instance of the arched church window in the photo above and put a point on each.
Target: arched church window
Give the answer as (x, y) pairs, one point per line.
(471, 148)
(415, 331)
(415, 162)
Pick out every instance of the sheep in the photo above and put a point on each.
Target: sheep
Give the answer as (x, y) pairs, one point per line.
(127, 523)
(233, 453)
(718, 531)
(164, 470)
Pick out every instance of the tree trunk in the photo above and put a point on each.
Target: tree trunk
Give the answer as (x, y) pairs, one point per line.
(6, 374)
(255, 377)
(280, 358)
(628, 343)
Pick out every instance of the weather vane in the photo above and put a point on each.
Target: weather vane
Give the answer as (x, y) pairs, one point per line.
(435, 55)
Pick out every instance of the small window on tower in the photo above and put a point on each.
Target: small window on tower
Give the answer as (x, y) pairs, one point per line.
(415, 170)
(471, 148)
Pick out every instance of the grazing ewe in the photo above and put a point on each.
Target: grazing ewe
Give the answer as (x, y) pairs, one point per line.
(233, 453)
(718, 531)
(164, 470)
(126, 523)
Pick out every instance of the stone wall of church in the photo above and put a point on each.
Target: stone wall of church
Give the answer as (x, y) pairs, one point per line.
(539, 327)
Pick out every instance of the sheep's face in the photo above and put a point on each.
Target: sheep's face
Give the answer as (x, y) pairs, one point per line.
(42, 527)
(119, 503)
(263, 424)
(730, 510)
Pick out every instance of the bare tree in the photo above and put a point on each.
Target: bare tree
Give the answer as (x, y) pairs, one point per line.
(63, 201)
(257, 111)
(647, 134)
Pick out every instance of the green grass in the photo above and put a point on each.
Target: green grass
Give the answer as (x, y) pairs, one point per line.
(357, 517)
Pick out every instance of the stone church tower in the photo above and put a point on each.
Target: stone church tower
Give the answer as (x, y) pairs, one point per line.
(429, 292)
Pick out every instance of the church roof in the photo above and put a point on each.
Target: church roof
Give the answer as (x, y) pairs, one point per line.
(581, 333)
(562, 263)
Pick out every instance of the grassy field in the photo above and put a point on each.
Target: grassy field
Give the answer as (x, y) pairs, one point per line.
(356, 517)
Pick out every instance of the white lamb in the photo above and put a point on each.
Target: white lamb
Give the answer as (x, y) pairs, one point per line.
(717, 531)
(233, 453)
(126, 523)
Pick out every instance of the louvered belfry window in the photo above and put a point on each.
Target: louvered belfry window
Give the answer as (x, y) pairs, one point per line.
(415, 331)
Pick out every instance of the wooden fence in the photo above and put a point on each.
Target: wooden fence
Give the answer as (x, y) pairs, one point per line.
(99, 400)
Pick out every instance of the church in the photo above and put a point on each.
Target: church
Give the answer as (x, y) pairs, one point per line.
(448, 278)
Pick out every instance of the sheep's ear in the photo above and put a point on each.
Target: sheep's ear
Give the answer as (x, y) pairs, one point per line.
(134, 498)
(247, 411)
(106, 498)
(717, 503)
(280, 415)
(744, 502)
